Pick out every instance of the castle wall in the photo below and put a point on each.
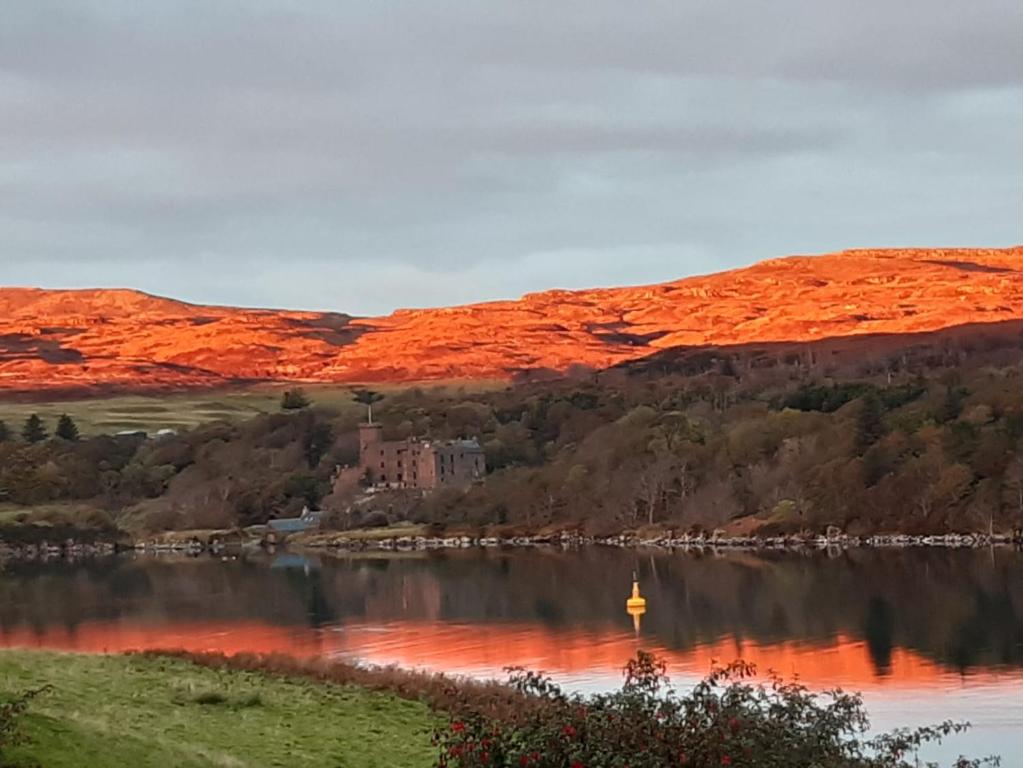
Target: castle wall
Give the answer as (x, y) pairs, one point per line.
(418, 464)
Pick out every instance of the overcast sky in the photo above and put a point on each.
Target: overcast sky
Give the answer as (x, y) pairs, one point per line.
(361, 156)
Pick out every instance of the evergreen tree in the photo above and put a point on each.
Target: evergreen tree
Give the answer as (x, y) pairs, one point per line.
(294, 400)
(367, 397)
(67, 429)
(33, 431)
(5, 433)
(870, 423)
(317, 442)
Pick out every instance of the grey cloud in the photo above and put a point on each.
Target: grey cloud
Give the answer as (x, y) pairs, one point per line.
(360, 156)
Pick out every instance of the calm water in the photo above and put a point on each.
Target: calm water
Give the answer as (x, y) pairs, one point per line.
(925, 635)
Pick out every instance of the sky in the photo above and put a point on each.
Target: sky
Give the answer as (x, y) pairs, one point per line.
(361, 156)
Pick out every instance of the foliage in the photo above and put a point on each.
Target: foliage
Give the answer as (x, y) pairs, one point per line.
(318, 438)
(927, 440)
(870, 425)
(828, 399)
(368, 398)
(33, 431)
(67, 429)
(305, 487)
(294, 400)
(725, 720)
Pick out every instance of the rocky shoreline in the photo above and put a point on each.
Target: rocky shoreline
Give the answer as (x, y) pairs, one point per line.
(71, 549)
(569, 540)
(218, 545)
(67, 550)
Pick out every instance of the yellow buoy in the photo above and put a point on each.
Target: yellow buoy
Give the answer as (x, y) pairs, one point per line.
(635, 606)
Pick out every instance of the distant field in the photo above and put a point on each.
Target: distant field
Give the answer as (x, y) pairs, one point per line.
(182, 411)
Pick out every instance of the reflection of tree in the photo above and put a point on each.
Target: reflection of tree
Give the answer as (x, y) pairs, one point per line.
(320, 611)
(878, 631)
(309, 585)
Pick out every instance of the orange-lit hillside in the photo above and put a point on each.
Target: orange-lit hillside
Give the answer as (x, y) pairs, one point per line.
(128, 340)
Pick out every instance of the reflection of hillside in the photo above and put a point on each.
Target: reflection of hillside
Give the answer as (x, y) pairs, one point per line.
(959, 609)
(487, 650)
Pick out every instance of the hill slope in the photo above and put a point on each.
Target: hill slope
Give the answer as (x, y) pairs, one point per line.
(125, 340)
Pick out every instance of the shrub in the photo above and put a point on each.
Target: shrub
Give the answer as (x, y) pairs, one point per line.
(294, 400)
(724, 721)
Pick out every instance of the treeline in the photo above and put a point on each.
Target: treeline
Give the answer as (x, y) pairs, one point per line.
(35, 431)
(924, 443)
(216, 476)
(939, 452)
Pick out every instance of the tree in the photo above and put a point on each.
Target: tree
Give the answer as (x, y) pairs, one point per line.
(367, 397)
(870, 423)
(294, 400)
(33, 431)
(952, 405)
(304, 487)
(656, 479)
(317, 442)
(67, 429)
(1013, 485)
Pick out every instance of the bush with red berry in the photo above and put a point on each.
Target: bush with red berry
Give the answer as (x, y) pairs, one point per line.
(728, 719)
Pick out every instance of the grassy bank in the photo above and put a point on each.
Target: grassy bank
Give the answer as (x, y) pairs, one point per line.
(151, 711)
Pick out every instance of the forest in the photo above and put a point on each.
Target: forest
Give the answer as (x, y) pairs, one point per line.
(921, 437)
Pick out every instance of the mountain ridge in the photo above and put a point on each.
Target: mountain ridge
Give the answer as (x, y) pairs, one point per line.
(98, 339)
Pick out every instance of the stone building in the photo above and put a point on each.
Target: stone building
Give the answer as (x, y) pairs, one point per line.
(415, 463)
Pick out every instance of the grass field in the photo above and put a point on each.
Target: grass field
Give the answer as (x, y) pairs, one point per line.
(107, 711)
(181, 411)
(170, 411)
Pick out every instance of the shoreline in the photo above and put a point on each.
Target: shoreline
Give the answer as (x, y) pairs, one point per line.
(684, 543)
(231, 543)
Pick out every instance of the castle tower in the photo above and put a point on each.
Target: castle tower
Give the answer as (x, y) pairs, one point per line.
(370, 436)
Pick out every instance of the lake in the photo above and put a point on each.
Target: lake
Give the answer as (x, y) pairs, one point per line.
(925, 635)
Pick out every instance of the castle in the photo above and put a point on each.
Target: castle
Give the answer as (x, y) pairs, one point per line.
(419, 464)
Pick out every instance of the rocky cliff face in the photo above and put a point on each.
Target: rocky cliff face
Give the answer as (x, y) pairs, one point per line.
(125, 340)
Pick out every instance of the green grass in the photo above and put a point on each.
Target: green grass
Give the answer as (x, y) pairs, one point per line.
(183, 411)
(152, 413)
(149, 712)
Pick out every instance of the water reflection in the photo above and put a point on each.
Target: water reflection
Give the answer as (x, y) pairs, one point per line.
(924, 633)
(961, 611)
